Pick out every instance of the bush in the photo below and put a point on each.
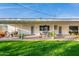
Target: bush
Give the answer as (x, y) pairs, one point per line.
(52, 34)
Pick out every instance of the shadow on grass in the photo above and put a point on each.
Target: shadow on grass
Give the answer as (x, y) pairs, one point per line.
(38, 48)
(71, 51)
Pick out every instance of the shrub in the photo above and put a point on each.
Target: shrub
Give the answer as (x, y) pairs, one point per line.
(52, 34)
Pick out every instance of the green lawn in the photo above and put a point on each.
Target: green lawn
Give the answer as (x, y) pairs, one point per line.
(39, 48)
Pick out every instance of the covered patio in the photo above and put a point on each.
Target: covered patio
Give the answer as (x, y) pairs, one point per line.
(23, 29)
(15, 30)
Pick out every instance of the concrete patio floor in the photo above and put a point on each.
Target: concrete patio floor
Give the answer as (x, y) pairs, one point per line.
(35, 39)
(13, 38)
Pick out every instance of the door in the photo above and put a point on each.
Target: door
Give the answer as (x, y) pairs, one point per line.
(60, 30)
(32, 30)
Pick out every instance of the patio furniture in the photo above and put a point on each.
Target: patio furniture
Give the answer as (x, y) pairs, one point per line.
(2, 34)
(44, 34)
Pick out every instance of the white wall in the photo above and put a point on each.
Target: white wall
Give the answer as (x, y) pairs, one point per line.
(10, 28)
(27, 27)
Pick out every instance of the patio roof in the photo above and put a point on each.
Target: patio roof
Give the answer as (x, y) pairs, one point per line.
(39, 19)
(26, 20)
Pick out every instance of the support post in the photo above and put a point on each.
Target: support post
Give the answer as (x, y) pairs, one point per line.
(21, 32)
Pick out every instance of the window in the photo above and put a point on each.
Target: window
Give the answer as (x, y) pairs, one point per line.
(44, 28)
(73, 29)
(55, 27)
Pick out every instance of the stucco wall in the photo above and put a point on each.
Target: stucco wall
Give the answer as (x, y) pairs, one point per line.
(3, 27)
(65, 26)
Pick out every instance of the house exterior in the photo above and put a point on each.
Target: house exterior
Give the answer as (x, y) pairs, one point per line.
(62, 26)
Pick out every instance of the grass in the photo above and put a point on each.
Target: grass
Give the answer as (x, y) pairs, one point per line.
(39, 48)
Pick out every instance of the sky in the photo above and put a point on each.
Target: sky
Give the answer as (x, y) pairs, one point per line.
(39, 10)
